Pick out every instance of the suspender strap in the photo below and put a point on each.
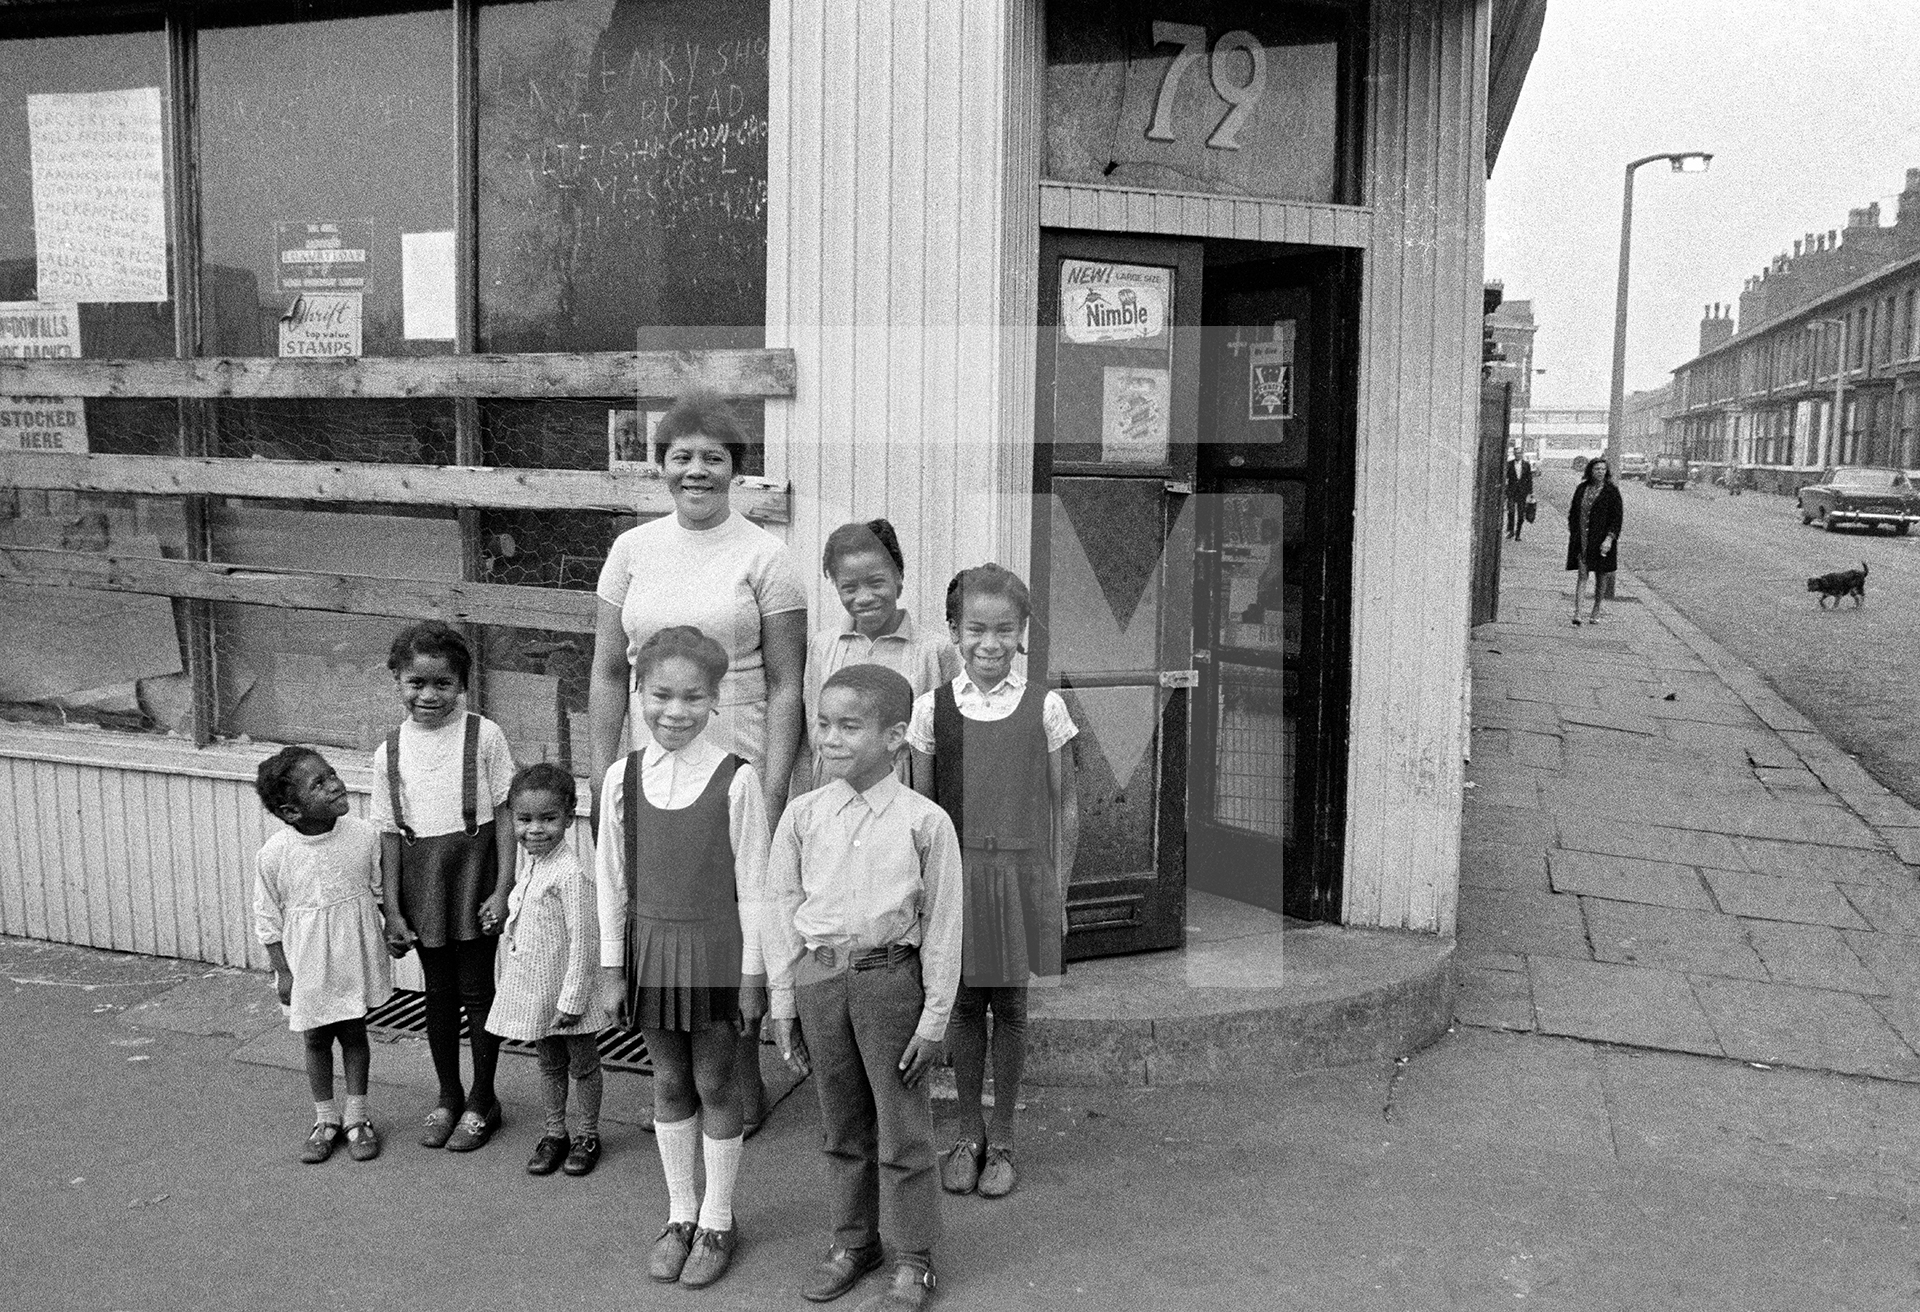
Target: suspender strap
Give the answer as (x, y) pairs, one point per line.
(470, 774)
(630, 816)
(393, 785)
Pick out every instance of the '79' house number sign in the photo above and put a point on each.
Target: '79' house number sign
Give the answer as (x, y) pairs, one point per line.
(1240, 96)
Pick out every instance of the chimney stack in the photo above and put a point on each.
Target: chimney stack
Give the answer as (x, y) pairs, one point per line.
(1716, 327)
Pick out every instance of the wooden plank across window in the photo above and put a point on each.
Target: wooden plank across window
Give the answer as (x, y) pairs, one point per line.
(353, 594)
(637, 492)
(734, 373)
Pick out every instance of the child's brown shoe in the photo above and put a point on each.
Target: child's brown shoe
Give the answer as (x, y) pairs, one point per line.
(438, 1127)
(960, 1167)
(474, 1130)
(839, 1271)
(709, 1256)
(997, 1177)
(363, 1143)
(670, 1251)
(321, 1141)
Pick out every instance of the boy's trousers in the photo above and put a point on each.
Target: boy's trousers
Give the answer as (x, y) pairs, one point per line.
(878, 1133)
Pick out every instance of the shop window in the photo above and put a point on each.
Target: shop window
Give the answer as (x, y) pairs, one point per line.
(1225, 96)
(68, 653)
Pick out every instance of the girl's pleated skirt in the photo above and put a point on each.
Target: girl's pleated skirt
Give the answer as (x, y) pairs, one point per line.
(1013, 918)
(683, 974)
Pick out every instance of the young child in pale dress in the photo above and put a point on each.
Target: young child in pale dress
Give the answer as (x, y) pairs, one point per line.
(682, 869)
(316, 909)
(867, 569)
(549, 946)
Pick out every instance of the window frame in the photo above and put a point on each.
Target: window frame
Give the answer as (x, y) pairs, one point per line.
(192, 381)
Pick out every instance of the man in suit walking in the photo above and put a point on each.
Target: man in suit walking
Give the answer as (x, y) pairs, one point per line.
(1519, 491)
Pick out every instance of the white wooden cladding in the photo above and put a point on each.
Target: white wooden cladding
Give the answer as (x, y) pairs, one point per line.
(141, 858)
(1421, 307)
(903, 166)
(1177, 214)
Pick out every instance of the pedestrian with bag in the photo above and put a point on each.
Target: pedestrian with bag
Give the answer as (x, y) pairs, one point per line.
(1520, 508)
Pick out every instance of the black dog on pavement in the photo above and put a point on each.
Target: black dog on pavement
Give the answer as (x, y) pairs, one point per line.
(1841, 583)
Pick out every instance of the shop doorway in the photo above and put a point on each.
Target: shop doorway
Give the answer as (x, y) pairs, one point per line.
(1191, 542)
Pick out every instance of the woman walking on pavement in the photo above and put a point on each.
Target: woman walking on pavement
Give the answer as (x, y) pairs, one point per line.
(1593, 534)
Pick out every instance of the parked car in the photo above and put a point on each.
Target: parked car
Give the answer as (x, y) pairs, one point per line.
(1634, 465)
(1861, 494)
(1668, 471)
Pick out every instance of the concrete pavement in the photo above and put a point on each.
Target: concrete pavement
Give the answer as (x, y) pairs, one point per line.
(1660, 852)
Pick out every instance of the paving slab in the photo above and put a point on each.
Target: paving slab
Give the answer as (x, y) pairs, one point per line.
(1619, 1004)
(1881, 809)
(1905, 844)
(1491, 960)
(1815, 1029)
(1826, 825)
(1494, 999)
(1504, 865)
(1890, 910)
(1509, 1095)
(1894, 959)
(1844, 865)
(1775, 897)
(1651, 843)
(1700, 710)
(1487, 822)
(1512, 787)
(1670, 938)
(1814, 955)
(1627, 879)
(1539, 750)
(1511, 920)
(1614, 718)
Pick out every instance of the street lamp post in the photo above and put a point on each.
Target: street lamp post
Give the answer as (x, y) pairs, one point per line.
(1687, 161)
(1835, 431)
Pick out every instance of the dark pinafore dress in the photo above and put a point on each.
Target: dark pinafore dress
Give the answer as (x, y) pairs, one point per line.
(683, 922)
(445, 877)
(990, 776)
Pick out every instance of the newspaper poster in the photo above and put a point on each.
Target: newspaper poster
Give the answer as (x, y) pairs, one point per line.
(35, 330)
(630, 444)
(1270, 375)
(321, 257)
(1103, 302)
(321, 324)
(1134, 422)
(99, 195)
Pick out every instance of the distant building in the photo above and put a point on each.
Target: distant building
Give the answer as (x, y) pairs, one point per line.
(1761, 394)
(1643, 425)
(1511, 327)
(1559, 437)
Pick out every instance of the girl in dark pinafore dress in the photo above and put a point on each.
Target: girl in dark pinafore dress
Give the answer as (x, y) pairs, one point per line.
(682, 859)
(990, 747)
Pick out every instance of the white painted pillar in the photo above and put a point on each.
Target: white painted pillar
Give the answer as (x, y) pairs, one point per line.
(1425, 162)
(903, 166)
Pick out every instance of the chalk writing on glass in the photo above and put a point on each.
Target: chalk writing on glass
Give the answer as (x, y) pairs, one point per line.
(99, 195)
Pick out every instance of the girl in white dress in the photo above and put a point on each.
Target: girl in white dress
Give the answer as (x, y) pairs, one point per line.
(550, 945)
(316, 907)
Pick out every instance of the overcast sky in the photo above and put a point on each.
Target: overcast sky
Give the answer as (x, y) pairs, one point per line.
(1810, 109)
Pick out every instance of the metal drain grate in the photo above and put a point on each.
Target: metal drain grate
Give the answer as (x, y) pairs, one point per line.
(406, 1013)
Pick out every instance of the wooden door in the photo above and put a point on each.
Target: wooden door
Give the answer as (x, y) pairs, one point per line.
(1113, 525)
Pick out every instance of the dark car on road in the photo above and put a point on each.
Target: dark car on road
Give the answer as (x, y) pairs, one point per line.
(1861, 494)
(1668, 471)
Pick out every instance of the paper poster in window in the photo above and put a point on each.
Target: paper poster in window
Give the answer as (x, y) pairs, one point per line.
(1134, 416)
(321, 256)
(34, 330)
(630, 438)
(321, 324)
(426, 286)
(1270, 375)
(1104, 302)
(99, 195)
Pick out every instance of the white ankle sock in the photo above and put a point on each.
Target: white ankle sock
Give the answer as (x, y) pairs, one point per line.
(723, 1164)
(356, 1108)
(679, 1146)
(328, 1112)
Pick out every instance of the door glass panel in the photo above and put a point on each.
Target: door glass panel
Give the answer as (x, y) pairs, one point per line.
(1116, 758)
(1259, 610)
(1103, 604)
(1112, 394)
(1254, 750)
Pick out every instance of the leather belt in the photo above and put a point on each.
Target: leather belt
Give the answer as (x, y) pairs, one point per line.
(989, 843)
(871, 959)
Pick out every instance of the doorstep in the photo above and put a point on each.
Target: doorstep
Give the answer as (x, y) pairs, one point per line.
(1252, 993)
